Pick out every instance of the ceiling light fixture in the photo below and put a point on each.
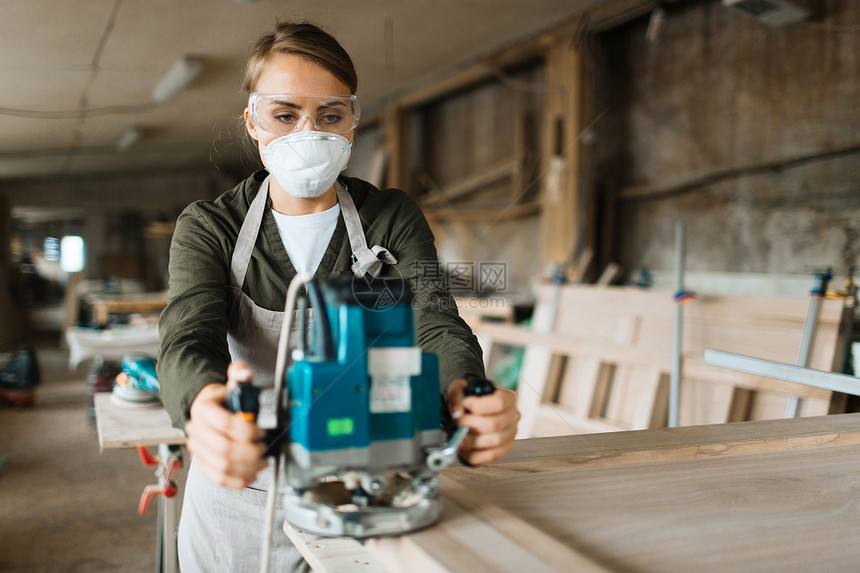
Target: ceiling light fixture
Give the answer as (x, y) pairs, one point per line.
(178, 77)
(129, 138)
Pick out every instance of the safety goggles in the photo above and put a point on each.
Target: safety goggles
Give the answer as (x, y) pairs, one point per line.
(283, 114)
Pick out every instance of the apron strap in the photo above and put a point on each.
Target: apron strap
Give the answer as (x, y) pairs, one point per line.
(248, 236)
(367, 261)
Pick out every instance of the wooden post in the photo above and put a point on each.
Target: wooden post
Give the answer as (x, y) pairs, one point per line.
(396, 148)
(561, 150)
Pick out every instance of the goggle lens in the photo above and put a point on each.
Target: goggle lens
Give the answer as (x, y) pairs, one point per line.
(283, 114)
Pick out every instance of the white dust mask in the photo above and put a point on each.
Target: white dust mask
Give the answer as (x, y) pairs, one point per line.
(307, 163)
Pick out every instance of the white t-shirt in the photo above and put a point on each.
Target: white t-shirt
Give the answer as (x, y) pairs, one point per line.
(306, 237)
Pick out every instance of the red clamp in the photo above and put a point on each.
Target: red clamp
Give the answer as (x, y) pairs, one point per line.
(167, 471)
(145, 457)
(151, 491)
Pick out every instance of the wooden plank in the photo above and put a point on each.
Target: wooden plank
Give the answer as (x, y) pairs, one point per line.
(642, 519)
(628, 332)
(561, 344)
(652, 304)
(130, 426)
(563, 453)
(459, 533)
(621, 501)
(333, 554)
(537, 361)
(557, 420)
(498, 542)
(556, 555)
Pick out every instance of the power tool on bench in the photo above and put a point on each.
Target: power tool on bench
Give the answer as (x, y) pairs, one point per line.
(359, 417)
(137, 382)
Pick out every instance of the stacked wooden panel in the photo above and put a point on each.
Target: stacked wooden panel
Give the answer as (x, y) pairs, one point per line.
(599, 359)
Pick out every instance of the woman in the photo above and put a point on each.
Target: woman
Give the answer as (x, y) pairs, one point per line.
(231, 261)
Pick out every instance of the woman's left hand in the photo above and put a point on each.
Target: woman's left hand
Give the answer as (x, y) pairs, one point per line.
(492, 422)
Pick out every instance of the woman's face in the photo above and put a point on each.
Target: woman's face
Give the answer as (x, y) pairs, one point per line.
(290, 73)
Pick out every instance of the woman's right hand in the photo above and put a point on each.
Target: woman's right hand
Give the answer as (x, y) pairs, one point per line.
(228, 449)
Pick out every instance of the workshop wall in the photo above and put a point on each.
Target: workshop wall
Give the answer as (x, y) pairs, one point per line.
(747, 133)
(459, 140)
(118, 208)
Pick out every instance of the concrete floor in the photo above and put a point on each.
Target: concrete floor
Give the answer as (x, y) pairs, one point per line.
(63, 505)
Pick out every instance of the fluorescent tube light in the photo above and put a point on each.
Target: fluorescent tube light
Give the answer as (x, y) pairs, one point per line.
(128, 138)
(178, 77)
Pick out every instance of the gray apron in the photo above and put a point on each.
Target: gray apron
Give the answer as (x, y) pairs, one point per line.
(220, 528)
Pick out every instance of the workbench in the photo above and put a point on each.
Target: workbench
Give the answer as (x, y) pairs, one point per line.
(130, 426)
(135, 426)
(140, 302)
(779, 495)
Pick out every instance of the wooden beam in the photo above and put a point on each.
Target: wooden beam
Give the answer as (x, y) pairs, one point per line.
(500, 170)
(696, 182)
(495, 215)
(599, 19)
(478, 72)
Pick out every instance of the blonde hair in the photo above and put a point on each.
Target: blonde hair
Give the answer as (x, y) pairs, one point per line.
(305, 40)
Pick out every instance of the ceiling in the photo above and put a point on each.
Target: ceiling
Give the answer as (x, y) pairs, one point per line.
(75, 75)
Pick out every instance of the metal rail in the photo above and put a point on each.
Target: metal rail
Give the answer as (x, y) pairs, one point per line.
(832, 381)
